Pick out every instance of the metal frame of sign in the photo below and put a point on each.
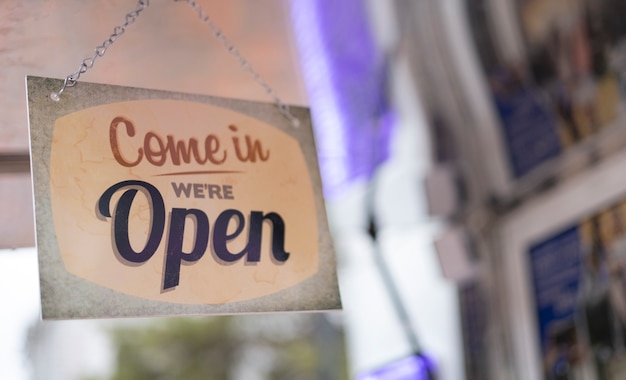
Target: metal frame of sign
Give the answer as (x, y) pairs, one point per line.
(543, 218)
(70, 291)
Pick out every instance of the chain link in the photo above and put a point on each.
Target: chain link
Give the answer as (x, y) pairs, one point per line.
(87, 63)
(99, 51)
(244, 63)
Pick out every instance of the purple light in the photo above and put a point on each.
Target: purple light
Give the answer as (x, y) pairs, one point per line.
(346, 78)
(416, 367)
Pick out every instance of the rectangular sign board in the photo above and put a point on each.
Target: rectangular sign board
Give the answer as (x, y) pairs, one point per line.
(158, 203)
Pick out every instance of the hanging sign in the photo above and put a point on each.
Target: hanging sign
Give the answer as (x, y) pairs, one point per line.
(159, 203)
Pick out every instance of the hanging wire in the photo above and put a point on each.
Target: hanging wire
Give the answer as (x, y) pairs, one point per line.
(99, 51)
(87, 63)
(243, 63)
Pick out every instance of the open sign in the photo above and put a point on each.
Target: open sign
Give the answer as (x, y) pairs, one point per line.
(166, 203)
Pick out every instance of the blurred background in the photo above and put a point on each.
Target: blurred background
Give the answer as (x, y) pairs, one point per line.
(473, 167)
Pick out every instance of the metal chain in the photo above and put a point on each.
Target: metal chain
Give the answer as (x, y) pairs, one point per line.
(99, 51)
(244, 63)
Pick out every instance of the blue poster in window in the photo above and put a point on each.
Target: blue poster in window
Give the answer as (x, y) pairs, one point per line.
(556, 269)
(528, 127)
(569, 85)
(579, 289)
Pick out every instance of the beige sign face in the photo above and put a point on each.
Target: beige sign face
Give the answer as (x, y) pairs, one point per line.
(182, 204)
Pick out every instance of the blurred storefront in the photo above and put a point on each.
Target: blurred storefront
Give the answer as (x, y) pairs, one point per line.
(472, 155)
(527, 115)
